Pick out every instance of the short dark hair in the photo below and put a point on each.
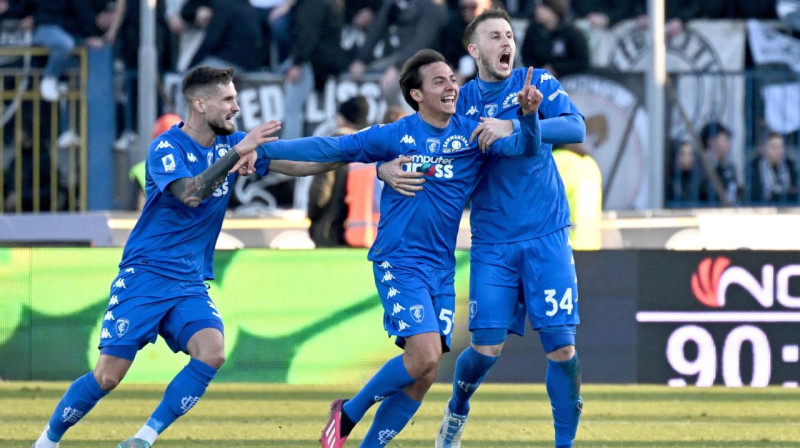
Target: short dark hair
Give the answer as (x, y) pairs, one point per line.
(411, 73)
(493, 13)
(201, 78)
(711, 130)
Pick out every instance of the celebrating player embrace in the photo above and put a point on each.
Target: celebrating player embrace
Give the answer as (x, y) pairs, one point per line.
(413, 255)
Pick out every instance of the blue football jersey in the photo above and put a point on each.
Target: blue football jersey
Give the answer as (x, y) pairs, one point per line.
(421, 229)
(524, 198)
(171, 238)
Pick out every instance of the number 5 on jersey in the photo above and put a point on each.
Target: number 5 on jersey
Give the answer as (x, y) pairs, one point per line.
(565, 303)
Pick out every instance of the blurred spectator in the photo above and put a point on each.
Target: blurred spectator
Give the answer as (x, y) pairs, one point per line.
(315, 57)
(400, 29)
(583, 183)
(358, 15)
(678, 12)
(60, 25)
(364, 194)
(109, 16)
(275, 20)
(716, 140)
(773, 176)
(602, 14)
(553, 42)
(327, 208)
(233, 36)
(685, 179)
(451, 37)
(23, 199)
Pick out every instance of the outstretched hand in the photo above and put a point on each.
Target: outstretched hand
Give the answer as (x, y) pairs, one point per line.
(529, 97)
(403, 182)
(258, 136)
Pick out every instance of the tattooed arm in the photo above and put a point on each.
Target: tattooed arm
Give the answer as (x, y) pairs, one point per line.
(192, 190)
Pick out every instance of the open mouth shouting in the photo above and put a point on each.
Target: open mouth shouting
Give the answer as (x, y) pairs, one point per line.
(505, 61)
(449, 100)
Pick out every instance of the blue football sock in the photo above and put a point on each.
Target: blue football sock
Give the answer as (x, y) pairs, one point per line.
(471, 368)
(392, 416)
(563, 383)
(78, 400)
(183, 392)
(390, 379)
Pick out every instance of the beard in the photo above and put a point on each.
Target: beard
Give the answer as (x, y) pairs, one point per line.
(221, 129)
(487, 66)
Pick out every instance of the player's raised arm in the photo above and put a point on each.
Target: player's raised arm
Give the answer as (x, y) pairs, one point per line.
(529, 97)
(192, 190)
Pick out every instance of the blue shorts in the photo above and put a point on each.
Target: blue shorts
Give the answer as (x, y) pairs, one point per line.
(534, 277)
(416, 299)
(144, 305)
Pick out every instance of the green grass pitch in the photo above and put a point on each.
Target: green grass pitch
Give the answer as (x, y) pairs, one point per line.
(270, 415)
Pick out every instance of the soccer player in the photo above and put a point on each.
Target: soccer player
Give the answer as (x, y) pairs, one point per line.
(521, 257)
(160, 288)
(413, 255)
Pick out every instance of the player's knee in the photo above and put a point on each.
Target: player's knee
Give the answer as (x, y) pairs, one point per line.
(562, 354)
(214, 359)
(422, 364)
(106, 380)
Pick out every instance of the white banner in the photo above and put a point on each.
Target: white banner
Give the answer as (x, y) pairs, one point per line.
(705, 62)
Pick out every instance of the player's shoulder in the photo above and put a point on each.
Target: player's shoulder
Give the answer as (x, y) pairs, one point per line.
(172, 139)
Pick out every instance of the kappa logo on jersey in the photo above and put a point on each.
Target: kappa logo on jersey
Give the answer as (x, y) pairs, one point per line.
(490, 110)
(546, 77)
(122, 326)
(455, 143)
(130, 270)
(402, 325)
(433, 145)
(472, 110)
(113, 301)
(169, 163)
(396, 308)
(163, 144)
(408, 139)
(191, 157)
(108, 316)
(378, 398)
(71, 415)
(120, 283)
(556, 93)
(417, 313)
(385, 265)
(105, 334)
(511, 100)
(387, 276)
(393, 292)
(188, 402)
(435, 166)
(213, 307)
(386, 436)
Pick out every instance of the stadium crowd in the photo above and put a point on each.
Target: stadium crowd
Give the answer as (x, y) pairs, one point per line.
(292, 39)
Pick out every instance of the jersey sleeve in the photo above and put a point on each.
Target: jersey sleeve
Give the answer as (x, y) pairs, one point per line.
(556, 101)
(523, 144)
(167, 162)
(368, 145)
